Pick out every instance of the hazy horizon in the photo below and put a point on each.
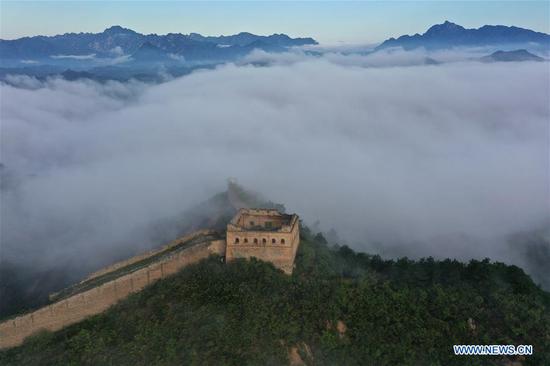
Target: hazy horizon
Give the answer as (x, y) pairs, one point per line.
(330, 23)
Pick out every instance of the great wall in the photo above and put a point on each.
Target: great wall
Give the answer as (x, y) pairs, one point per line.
(262, 233)
(81, 302)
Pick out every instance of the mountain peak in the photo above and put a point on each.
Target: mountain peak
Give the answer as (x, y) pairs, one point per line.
(117, 29)
(449, 34)
(516, 55)
(445, 27)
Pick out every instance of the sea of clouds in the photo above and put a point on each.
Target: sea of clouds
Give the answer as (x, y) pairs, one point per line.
(441, 160)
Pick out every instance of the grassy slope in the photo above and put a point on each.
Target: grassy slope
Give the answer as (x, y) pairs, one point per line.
(396, 312)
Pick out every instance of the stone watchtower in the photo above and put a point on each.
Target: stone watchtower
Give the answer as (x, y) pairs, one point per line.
(266, 234)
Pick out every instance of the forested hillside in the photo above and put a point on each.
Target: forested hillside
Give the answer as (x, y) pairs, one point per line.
(338, 308)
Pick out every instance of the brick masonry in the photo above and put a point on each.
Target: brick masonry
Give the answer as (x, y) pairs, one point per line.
(80, 306)
(262, 233)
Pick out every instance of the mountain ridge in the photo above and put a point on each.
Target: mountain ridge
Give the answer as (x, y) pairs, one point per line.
(512, 56)
(116, 40)
(448, 35)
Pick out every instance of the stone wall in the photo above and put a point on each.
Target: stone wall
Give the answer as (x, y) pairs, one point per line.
(80, 306)
(277, 246)
(148, 254)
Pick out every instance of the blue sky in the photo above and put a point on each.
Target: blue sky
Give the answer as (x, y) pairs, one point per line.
(329, 22)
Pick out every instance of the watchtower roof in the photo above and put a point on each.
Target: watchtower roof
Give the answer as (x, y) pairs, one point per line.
(262, 219)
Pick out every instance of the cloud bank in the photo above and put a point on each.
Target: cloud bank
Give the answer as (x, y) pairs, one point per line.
(389, 57)
(430, 160)
(75, 57)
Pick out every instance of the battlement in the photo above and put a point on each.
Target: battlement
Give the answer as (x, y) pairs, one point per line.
(265, 234)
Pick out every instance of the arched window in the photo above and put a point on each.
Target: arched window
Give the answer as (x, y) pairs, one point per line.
(264, 240)
(236, 240)
(282, 241)
(273, 241)
(255, 241)
(245, 240)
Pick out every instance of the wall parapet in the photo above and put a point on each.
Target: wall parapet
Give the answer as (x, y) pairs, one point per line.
(140, 257)
(93, 301)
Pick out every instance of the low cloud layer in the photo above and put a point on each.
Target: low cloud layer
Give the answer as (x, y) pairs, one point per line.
(367, 57)
(75, 57)
(434, 160)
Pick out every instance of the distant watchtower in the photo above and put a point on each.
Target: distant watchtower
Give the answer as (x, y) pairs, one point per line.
(265, 234)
